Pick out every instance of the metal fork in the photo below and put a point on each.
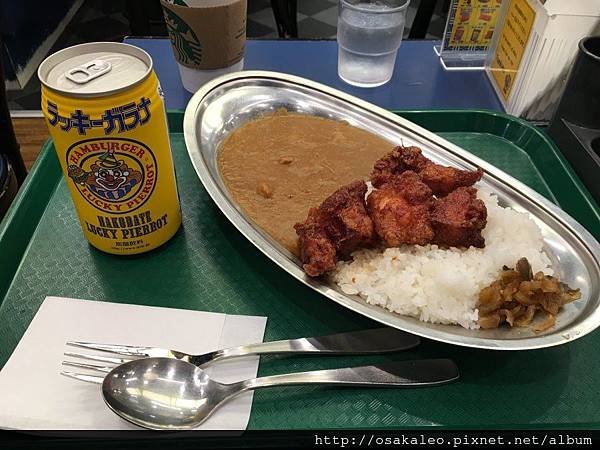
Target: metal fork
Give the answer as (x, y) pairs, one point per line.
(378, 340)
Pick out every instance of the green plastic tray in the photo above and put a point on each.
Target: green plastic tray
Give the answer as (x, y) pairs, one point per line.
(209, 266)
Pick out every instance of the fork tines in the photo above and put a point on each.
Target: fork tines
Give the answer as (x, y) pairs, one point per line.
(125, 350)
(109, 362)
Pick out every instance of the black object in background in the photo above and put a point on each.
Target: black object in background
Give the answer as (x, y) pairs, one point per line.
(24, 26)
(8, 142)
(286, 17)
(420, 24)
(146, 18)
(8, 185)
(575, 126)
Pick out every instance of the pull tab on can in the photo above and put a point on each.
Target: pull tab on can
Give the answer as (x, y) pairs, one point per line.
(87, 72)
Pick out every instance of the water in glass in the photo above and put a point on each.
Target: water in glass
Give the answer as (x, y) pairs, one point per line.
(369, 35)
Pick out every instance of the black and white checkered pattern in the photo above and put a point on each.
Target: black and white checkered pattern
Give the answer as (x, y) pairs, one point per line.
(317, 19)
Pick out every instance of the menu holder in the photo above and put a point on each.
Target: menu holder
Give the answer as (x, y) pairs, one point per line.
(468, 34)
(533, 50)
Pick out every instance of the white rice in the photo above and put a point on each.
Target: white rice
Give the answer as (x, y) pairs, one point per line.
(442, 285)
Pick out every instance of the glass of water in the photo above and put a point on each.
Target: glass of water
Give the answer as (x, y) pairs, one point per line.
(369, 34)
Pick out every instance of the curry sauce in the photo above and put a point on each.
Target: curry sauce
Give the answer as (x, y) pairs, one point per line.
(277, 167)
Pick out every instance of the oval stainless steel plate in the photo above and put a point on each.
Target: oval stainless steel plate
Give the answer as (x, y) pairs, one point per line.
(229, 101)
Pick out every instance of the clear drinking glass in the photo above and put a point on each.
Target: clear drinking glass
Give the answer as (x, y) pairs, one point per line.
(369, 33)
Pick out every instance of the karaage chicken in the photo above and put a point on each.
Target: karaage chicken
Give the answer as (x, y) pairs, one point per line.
(317, 252)
(399, 209)
(441, 179)
(458, 219)
(335, 229)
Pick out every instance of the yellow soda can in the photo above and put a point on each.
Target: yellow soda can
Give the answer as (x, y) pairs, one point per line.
(104, 108)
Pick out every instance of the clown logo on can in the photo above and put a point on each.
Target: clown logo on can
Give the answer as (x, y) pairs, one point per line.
(114, 175)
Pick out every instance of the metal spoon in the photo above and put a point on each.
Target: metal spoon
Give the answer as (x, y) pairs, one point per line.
(170, 394)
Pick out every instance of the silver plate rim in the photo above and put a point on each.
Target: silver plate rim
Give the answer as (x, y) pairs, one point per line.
(586, 326)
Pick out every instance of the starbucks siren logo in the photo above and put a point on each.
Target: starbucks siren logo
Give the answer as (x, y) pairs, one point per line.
(184, 40)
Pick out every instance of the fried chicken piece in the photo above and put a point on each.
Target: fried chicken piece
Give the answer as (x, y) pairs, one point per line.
(317, 252)
(396, 162)
(346, 220)
(335, 229)
(441, 179)
(458, 219)
(400, 209)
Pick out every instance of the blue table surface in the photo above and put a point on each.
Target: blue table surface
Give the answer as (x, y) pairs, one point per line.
(419, 81)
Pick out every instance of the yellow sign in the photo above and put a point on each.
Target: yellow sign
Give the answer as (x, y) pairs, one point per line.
(471, 24)
(511, 45)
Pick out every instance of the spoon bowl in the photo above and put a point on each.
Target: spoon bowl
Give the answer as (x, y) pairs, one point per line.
(162, 393)
(171, 394)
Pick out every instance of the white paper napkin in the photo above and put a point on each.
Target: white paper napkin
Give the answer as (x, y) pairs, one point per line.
(33, 395)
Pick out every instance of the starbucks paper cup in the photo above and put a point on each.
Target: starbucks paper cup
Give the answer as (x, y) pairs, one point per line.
(208, 38)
